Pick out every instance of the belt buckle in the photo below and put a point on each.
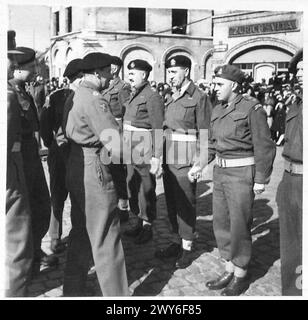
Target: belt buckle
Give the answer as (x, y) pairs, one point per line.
(291, 167)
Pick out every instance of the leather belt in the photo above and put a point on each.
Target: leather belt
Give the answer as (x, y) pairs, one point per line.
(129, 127)
(292, 167)
(182, 137)
(229, 163)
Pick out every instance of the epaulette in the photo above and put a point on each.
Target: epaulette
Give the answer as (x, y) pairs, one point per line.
(249, 98)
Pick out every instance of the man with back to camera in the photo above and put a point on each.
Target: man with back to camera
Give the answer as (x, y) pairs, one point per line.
(95, 221)
(58, 149)
(240, 140)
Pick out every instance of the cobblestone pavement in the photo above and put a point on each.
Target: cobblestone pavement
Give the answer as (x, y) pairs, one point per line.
(149, 276)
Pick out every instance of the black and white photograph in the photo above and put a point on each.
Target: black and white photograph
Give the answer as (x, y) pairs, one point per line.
(152, 150)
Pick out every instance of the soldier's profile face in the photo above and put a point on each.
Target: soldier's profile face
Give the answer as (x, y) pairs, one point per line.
(136, 77)
(176, 76)
(11, 64)
(223, 88)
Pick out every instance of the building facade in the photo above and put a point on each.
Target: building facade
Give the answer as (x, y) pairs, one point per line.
(258, 42)
(130, 33)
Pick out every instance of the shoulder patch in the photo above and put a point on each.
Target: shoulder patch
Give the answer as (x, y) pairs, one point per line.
(257, 106)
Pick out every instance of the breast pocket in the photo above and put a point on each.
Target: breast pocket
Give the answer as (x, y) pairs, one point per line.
(186, 113)
(239, 124)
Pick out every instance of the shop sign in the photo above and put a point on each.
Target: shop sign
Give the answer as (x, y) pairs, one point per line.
(262, 28)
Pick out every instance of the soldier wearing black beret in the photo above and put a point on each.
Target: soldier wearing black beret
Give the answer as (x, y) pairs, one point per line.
(290, 191)
(18, 230)
(95, 222)
(73, 68)
(188, 113)
(35, 178)
(144, 114)
(240, 142)
(51, 132)
(117, 94)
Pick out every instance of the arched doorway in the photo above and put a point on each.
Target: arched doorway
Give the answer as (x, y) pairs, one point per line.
(260, 62)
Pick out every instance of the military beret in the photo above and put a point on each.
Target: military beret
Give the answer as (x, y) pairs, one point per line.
(179, 61)
(73, 68)
(230, 72)
(96, 60)
(117, 61)
(28, 55)
(11, 45)
(139, 64)
(298, 56)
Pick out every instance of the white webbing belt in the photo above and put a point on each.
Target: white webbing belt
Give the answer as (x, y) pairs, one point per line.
(228, 163)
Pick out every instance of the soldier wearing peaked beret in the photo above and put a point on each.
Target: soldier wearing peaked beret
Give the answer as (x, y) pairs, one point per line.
(95, 221)
(117, 95)
(240, 141)
(188, 112)
(35, 178)
(18, 229)
(144, 115)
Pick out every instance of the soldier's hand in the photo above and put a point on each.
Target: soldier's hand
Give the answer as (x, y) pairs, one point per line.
(194, 173)
(258, 188)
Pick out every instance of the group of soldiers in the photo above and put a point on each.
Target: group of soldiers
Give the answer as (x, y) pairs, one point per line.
(108, 141)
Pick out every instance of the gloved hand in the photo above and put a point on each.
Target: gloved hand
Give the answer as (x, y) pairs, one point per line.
(194, 173)
(258, 188)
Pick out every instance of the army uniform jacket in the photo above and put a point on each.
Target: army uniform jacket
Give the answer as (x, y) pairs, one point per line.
(88, 116)
(293, 147)
(145, 109)
(116, 95)
(240, 131)
(13, 120)
(189, 112)
(28, 112)
(51, 117)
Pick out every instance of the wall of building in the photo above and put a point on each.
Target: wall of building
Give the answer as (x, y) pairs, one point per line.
(108, 32)
(32, 25)
(291, 40)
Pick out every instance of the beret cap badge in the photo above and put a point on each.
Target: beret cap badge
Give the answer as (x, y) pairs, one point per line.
(173, 62)
(133, 64)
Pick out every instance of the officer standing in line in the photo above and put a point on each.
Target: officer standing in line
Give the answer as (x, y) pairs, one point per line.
(95, 221)
(187, 112)
(290, 192)
(241, 141)
(117, 94)
(144, 114)
(19, 245)
(35, 178)
(58, 148)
